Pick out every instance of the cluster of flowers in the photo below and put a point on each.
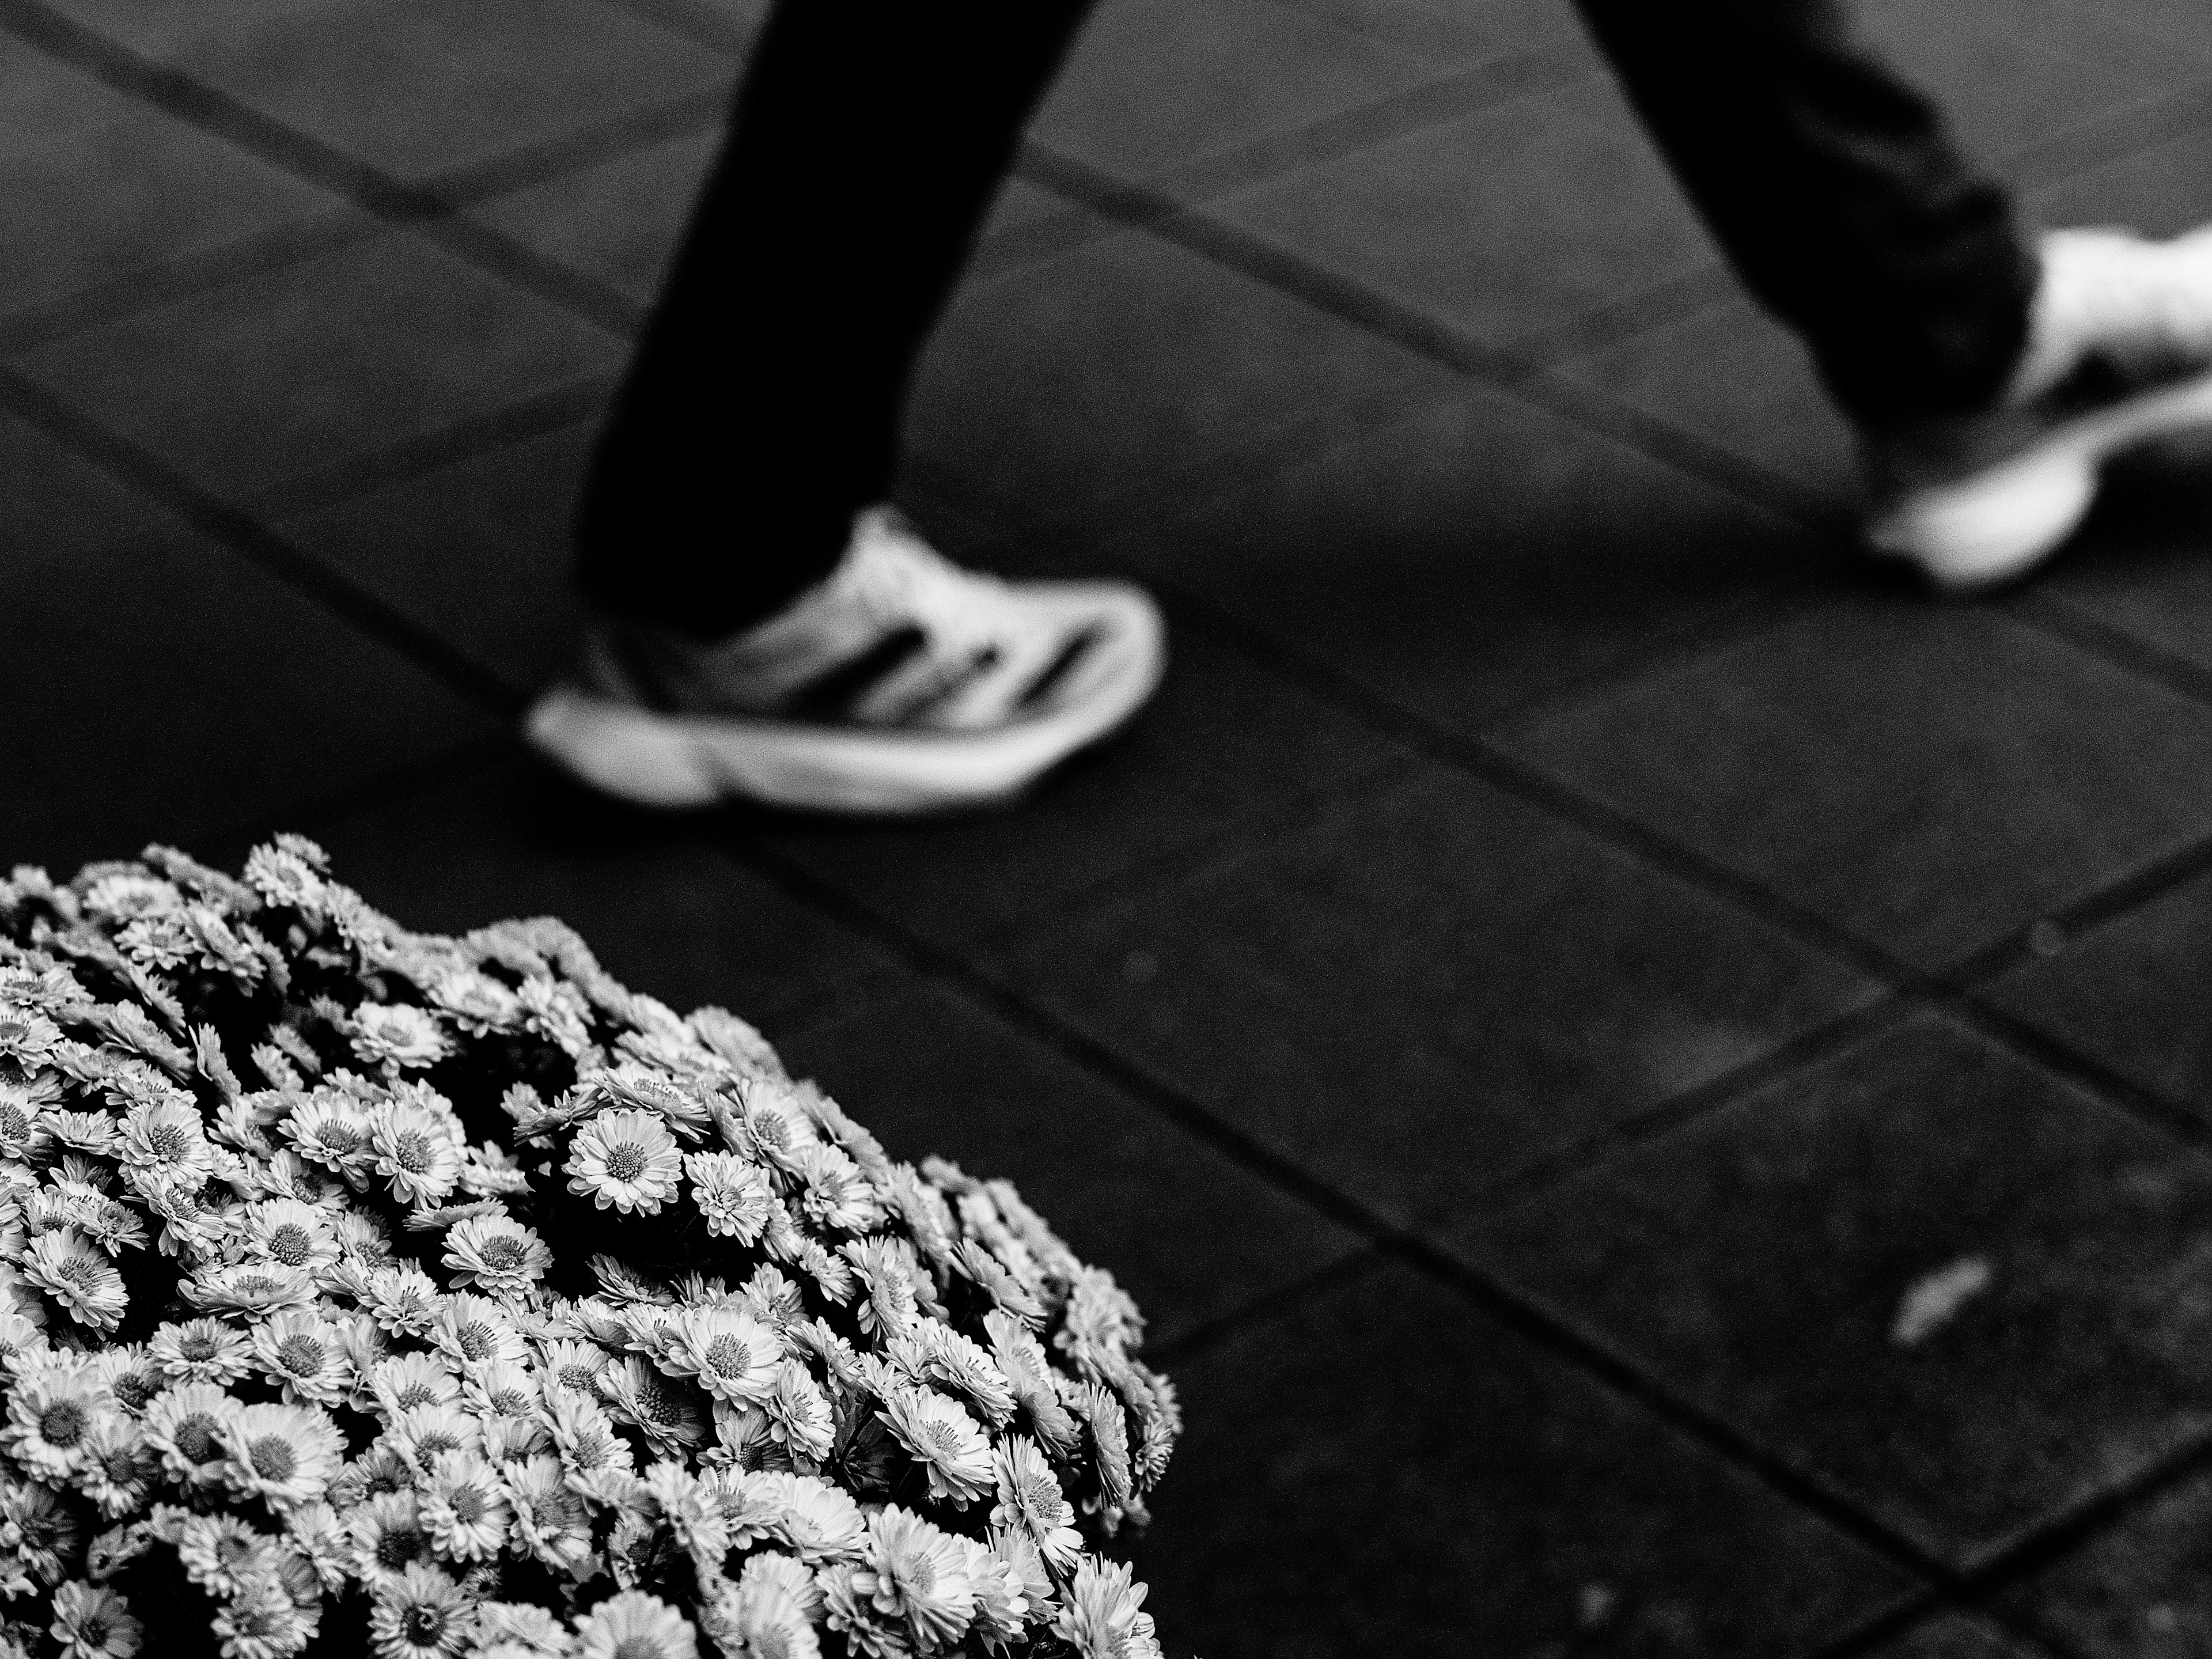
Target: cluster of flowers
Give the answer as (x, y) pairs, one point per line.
(291, 1356)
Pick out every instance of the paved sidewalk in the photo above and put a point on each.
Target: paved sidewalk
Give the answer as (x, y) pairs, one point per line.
(1653, 1082)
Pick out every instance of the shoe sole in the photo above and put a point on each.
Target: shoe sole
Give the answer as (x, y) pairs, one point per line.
(682, 761)
(1998, 525)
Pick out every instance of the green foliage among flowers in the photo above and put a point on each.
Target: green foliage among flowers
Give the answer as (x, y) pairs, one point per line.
(432, 1297)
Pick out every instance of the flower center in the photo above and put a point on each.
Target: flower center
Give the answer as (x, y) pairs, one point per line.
(62, 1424)
(198, 1348)
(14, 1124)
(271, 1457)
(637, 1647)
(195, 1438)
(503, 1254)
(342, 1137)
(171, 1142)
(133, 1389)
(302, 1356)
(290, 1245)
(77, 1270)
(423, 1626)
(626, 1162)
(729, 1356)
(476, 1341)
(397, 1547)
(412, 1151)
(468, 1505)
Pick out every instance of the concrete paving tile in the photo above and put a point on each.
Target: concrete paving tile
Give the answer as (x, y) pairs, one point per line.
(1385, 1470)
(664, 912)
(419, 87)
(2160, 191)
(1737, 377)
(1154, 84)
(1190, 1234)
(1476, 552)
(2137, 1591)
(2127, 993)
(291, 370)
(618, 221)
(1225, 749)
(2139, 564)
(1130, 372)
(1953, 1636)
(1426, 991)
(99, 187)
(1452, 31)
(1931, 778)
(140, 669)
(1945, 1285)
(477, 552)
(1513, 219)
(2008, 76)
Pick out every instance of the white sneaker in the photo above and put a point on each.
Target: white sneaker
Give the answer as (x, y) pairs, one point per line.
(901, 685)
(2119, 352)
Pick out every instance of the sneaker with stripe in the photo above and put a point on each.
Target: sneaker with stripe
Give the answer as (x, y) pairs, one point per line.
(903, 685)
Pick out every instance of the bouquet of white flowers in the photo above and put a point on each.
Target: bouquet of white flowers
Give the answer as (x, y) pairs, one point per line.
(437, 1297)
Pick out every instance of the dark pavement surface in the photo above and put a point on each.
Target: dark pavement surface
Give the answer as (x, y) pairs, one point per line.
(1652, 1080)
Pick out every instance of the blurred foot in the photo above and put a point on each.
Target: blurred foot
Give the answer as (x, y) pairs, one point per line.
(901, 685)
(2119, 352)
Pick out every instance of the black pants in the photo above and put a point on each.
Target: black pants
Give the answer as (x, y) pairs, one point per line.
(761, 408)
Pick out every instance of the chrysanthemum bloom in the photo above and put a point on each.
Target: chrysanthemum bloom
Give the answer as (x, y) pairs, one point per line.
(625, 1159)
(185, 1427)
(584, 1435)
(402, 1299)
(303, 1354)
(1030, 1500)
(387, 1533)
(41, 1531)
(261, 1621)
(574, 1365)
(669, 1416)
(818, 1520)
(519, 1625)
(397, 1036)
(1022, 1361)
(401, 1382)
(19, 1337)
(834, 1194)
(422, 1434)
(221, 1553)
(285, 1454)
(333, 1130)
(631, 1625)
(52, 1409)
(89, 1131)
(549, 1519)
(320, 1536)
(732, 1195)
(916, 1572)
(941, 1437)
(68, 1267)
(202, 1351)
(476, 1331)
(732, 1354)
(496, 1253)
(479, 1004)
(165, 1140)
(93, 1624)
(465, 1507)
(497, 1389)
(415, 1151)
(119, 1468)
(1001, 1605)
(887, 1270)
(251, 1287)
(935, 1352)
(291, 1234)
(130, 1373)
(799, 1415)
(765, 1617)
(20, 1135)
(1103, 1619)
(420, 1614)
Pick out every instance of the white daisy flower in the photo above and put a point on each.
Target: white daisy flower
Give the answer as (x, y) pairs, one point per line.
(185, 1425)
(799, 1413)
(1102, 1617)
(260, 1622)
(77, 1274)
(944, 1440)
(251, 1287)
(52, 1410)
(465, 1507)
(118, 1468)
(550, 1521)
(732, 1354)
(625, 1159)
(131, 1375)
(397, 1036)
(93, 1624)
(584, 1435)
(402, 1299)
(498, 1388)
(305, 1356)
(286, 1455)
(916, 1572)
(639, 1394)
(474, 1330)
(733, 1195)
(631, 1625)
(414, 1151)
(478, 1004)
(574, 1365)
(167, 1139)
(334, 1130)
(291, 1234)
(420, 1614)
(500, 1253)
(422, 1434)
(833, 1193)
(221, 1553)
(387, 1533)
(1030, 1500)
(202, 1351)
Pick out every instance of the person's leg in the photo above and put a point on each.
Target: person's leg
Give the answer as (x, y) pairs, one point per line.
(761, 411)
(1835, 193)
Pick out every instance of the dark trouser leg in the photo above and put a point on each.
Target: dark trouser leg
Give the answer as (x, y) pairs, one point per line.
(762, 407)
(1837, 194)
